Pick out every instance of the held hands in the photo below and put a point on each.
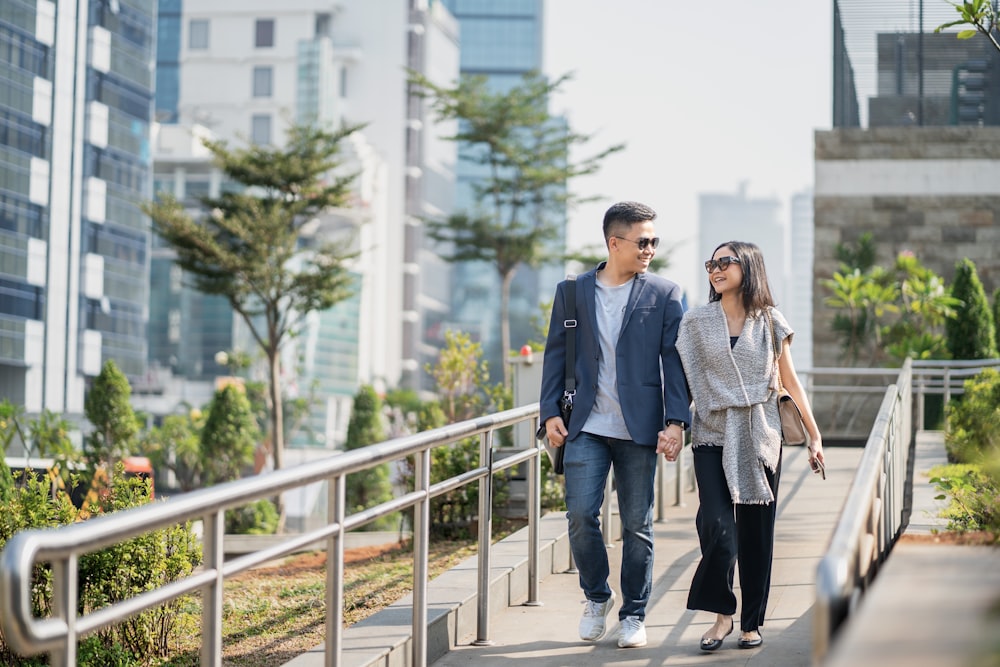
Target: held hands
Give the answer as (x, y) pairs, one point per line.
(555, 431)
(669, 442)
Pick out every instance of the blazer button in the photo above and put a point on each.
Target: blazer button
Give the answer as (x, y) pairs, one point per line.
(594, 387)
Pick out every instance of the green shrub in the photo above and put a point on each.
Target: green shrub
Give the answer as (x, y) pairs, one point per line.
(974, 497)
(106, 576)
(256, 518)
(971, 333)
(973, 434)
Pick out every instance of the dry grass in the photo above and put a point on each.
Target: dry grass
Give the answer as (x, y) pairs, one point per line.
(274, 613)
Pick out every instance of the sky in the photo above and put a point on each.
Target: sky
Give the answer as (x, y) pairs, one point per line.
(706, 97)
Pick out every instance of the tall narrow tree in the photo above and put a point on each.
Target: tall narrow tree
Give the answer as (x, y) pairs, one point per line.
(970, 332)
(247, 248)
(523, 154)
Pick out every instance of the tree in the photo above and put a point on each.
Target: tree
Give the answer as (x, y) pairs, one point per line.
(229, 436)
(367, 488)
(971, 331)
(524, 156)
(248, 249)
(887, 314)
(980, 14)
(176, 445)
(108, 407)
(996, 315)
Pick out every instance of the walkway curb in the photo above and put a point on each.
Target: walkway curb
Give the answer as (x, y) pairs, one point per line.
(384, 638)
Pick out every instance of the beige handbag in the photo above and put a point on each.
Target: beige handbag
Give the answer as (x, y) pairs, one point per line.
(793, 431)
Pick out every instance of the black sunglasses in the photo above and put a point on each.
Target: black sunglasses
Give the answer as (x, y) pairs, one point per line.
(643, 242)
(721, 264)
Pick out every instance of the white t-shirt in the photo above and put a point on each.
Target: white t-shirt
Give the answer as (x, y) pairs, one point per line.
(606, 417)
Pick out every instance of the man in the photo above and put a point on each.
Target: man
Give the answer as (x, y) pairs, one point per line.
(630, 386)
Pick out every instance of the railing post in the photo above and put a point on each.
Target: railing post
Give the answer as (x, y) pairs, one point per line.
(421, 526)
(211, 595)
(336, 497)
(921, 379)
(534, 517)
(485, 531)
(947, 387)
(679, 476)
(64, 599)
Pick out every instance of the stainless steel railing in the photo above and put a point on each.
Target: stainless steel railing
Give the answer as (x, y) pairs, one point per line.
(872, 516)
(875, 513)
(57, 635)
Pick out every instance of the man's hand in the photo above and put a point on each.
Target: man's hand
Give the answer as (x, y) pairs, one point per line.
(556, 431)
(669, 442)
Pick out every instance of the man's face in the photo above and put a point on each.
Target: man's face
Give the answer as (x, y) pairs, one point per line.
(633, 248)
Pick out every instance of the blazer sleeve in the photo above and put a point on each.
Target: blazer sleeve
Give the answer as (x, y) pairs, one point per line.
(554, 359)
(676, 398)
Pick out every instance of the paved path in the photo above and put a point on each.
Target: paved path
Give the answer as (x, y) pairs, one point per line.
(547, 635)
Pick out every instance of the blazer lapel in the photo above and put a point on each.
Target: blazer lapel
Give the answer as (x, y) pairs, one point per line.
(633, 298)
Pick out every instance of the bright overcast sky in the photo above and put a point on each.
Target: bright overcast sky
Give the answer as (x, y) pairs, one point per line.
(704, 95)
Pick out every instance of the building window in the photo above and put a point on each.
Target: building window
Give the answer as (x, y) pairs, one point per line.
(262, 81)
(260, 129)
(264, 33)
(198, 34)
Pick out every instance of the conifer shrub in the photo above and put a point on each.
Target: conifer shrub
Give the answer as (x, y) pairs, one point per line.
(970, 331)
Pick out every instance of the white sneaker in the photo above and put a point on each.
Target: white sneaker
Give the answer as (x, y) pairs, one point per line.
(593, 624)
(632, 633)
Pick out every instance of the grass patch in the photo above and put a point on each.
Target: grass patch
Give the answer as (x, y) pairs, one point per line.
(274, 613)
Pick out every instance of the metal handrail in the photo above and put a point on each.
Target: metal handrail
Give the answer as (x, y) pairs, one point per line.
(58, 634)
(872, 516)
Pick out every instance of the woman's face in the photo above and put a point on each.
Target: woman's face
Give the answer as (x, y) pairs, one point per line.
(724, 271)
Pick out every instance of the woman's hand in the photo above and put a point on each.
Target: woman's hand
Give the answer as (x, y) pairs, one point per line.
(669, 442)
(817, 460)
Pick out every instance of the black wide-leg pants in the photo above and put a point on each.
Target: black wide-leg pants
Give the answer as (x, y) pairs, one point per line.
(729, 534)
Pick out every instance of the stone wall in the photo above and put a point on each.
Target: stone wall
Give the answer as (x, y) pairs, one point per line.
(934, 191)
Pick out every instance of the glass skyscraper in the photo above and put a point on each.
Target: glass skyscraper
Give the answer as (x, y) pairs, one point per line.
(75, 109)
(501, 40)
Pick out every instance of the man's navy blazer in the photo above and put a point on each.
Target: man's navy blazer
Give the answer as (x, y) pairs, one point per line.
(651, 383)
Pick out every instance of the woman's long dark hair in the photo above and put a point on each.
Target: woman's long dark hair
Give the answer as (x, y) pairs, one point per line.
(755, 289)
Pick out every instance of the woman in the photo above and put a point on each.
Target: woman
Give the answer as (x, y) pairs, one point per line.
(729, 360)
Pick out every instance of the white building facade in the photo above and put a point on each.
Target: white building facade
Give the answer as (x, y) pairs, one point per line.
(248, 69)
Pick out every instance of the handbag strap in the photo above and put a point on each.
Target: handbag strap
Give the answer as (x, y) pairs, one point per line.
(570, 323)
(777, 347)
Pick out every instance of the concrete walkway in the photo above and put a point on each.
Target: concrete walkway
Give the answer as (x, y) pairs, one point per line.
(547, 635)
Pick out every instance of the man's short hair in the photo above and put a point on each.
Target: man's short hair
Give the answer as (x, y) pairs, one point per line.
(626, 214)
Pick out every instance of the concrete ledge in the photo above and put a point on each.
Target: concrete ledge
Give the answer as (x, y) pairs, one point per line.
(384, 639)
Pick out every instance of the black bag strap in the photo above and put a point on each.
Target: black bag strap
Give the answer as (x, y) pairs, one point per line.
(570, 324)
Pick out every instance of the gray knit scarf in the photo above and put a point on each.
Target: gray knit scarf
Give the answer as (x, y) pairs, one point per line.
(733, 391)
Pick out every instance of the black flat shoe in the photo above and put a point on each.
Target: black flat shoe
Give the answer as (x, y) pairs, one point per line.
(711, 644)
(751, 643)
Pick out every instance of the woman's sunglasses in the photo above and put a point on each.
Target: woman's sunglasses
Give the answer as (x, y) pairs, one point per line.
(721, 264)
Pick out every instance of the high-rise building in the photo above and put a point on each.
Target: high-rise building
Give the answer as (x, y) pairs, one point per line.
(245, 71)
(798, 305)
(501, 40)
(74, 168)
(892, 69)
(738, 217)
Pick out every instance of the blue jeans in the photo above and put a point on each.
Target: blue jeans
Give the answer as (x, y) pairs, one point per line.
(588, 459)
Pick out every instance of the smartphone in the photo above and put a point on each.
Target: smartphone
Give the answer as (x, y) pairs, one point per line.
(818, 467)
